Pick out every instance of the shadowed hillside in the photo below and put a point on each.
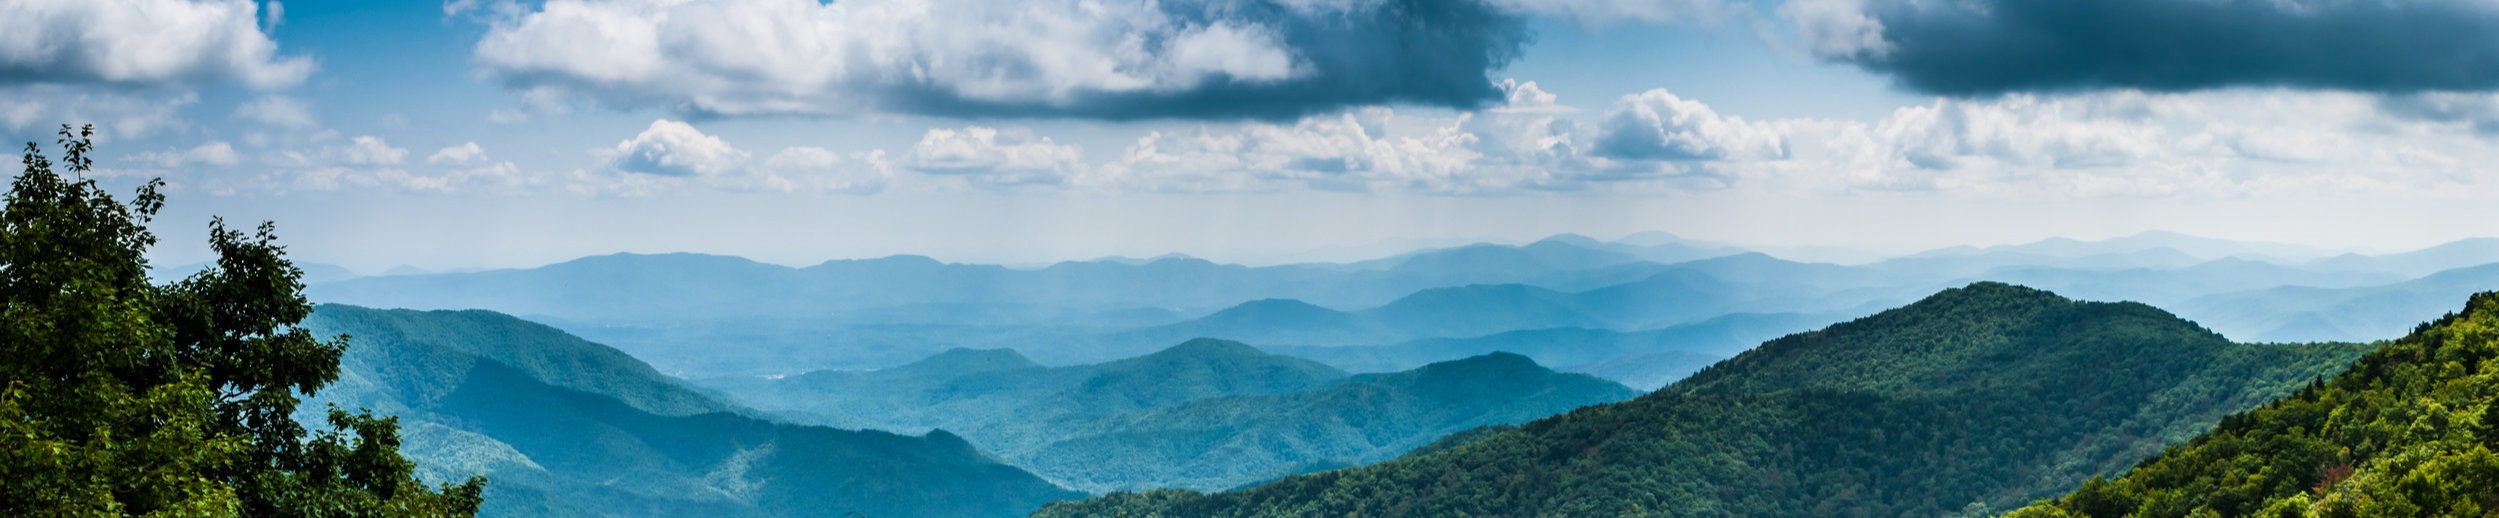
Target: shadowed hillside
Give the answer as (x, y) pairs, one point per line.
(1980, 397)
(564, 427)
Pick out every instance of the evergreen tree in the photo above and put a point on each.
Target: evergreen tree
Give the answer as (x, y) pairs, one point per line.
(126, 398)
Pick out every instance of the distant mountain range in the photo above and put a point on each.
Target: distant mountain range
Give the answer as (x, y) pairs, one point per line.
(2192, 246)
(564, 427)
(2304, 314)
(681, 287)
(313, 272)
(1982, 397)
(714, 316)
(1205, 414)
(1641, 359)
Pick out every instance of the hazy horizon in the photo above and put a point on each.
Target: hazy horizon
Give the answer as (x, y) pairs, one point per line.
(490, 133)
(1385, 249)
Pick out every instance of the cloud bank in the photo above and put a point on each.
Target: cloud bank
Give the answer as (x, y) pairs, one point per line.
(141, 42)
(1106, 59)
(1989, 47)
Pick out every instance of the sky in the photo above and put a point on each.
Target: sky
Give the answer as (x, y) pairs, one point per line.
(500, 133)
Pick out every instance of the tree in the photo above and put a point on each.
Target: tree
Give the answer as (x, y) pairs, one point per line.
(127, 398)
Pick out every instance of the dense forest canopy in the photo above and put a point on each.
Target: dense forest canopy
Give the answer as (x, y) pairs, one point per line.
(1977, 398)
(127, 398)
(2408, 431)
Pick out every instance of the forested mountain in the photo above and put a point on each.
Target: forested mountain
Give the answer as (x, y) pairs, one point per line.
(1439, 312)
(1680, 295)
(563, 427)
(1221, 443)
(1570, 348)
(1982, 397)
(969, 391)
(1206, 414)
(2409, 430)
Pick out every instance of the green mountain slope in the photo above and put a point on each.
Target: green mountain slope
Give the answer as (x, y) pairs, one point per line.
(1981, 397)
(563, 427)
(968, 391)
(540, 352)
(2409, 430)
(1204, 414)
(1226, 442)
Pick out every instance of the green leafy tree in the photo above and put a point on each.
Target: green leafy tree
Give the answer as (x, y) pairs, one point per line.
(2404, 432)
(127, 398)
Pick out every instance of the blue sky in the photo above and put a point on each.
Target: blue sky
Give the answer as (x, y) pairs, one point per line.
(498, 133)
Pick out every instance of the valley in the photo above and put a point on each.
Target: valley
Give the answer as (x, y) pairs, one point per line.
(1178, 387)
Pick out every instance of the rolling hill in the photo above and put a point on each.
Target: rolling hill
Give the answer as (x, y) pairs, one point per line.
(1986, 396)
(563, 427)
(1226, 442)
(1205, 414)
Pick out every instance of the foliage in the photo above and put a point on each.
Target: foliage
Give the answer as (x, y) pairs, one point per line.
(127, 398)
(1976, 398)
(2408, 431)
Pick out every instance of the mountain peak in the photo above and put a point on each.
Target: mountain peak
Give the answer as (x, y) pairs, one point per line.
(1209, 347)
(1982, 335)
(1649, 238)
(1271, 308)
(1573, 240)
(1991, 290)
(1504, 361)
(1494, 368)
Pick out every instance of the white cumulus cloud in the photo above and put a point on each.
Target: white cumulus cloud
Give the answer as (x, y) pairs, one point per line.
(672, 148)
(142, 42)
(989, 155)
(1373, 149)
(460, 154)
(1657, 125)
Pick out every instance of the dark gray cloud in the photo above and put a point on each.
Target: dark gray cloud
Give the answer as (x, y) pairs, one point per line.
(1986, 47)
(1416, 52)
(1115, 59)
